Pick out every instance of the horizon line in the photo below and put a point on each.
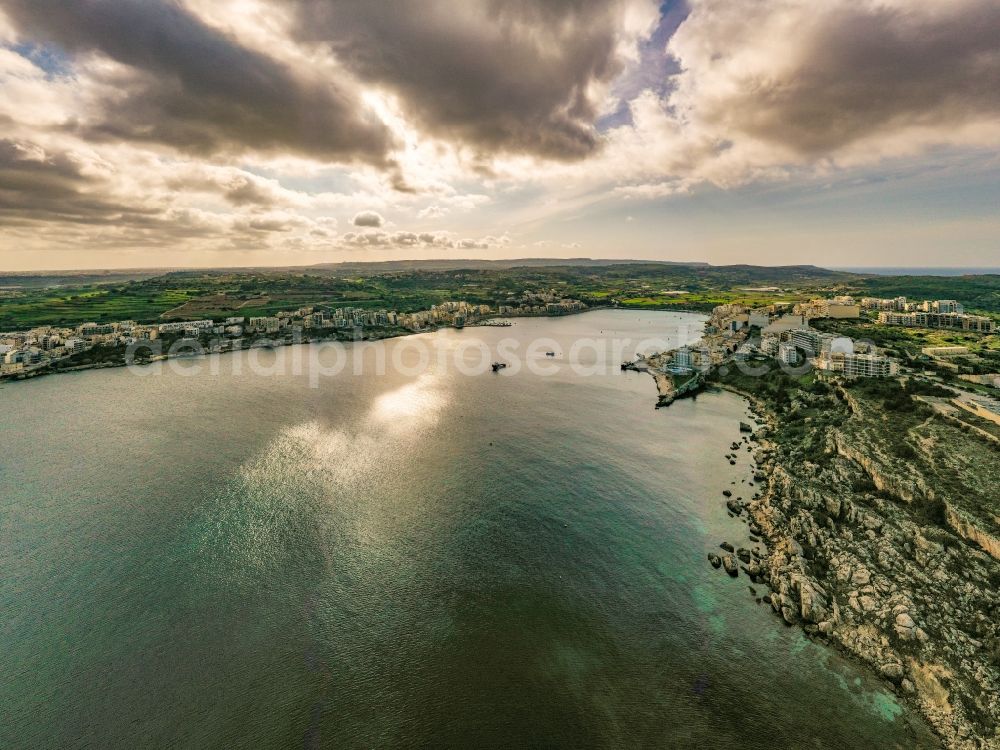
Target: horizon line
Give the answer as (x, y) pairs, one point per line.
(553, 260)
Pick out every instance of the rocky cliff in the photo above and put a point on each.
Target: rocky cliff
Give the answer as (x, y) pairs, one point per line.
(872, 546)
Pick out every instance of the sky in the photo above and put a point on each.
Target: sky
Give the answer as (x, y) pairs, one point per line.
(167, 133)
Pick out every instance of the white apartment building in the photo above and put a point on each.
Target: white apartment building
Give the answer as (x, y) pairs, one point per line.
(857, 365)
(942, 306)
(769, 345)
(683, 357)
(806, 339)
(176, 327)
(957, 321)
(896, 304)
(787, 353)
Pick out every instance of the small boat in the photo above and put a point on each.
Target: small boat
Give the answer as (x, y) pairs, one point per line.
(499, 366)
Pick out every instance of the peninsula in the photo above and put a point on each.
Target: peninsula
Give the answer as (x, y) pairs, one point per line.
(869, 506)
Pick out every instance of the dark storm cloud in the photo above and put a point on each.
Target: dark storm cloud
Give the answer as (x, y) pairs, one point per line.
(41, 189)
(865, 70)
(368, 219)
(244, 191)
(39, 186)
(195, 88)
(500, 75)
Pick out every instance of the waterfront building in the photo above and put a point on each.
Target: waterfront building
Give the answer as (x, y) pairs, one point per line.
(265, 324)
(180, 326)
(683, 357)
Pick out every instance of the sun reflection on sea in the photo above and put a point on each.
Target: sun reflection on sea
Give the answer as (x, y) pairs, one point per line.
(416, 404)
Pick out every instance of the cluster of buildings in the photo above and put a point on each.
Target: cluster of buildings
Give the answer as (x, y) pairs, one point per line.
(785, 335)
(840, 308)
(900, 304)
(827, 352)
(541, 303)
(956, 321)
(784, 314)
(24, 351)
(940, 313)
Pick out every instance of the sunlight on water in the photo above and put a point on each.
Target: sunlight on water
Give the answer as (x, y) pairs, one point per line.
(416, 404)
(435, 560)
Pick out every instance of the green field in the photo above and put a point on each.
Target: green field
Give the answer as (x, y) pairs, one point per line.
(219, 294)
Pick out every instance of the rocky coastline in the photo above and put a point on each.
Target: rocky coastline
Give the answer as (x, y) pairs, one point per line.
(868, 553)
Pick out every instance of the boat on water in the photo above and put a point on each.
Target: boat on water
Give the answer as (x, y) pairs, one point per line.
(499, 366)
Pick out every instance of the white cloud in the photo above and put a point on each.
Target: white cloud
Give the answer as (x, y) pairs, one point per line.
(765, 91)
(441, 239)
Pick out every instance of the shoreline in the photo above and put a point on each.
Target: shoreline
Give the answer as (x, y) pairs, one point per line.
(263, 344)
(750, 521)
(835, 580)
(666, 388)
(280, 343)
(272, 344)
(757, 512)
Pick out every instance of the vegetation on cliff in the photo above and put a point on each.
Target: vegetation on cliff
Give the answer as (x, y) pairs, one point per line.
(882, 527)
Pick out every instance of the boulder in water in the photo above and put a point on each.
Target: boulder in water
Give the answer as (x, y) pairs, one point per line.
(729, 563)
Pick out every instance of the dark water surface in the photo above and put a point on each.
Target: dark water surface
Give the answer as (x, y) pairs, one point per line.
(430, 560)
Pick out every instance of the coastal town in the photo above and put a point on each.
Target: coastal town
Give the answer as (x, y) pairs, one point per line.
(785, 332)
(854, 504)
(43, 349)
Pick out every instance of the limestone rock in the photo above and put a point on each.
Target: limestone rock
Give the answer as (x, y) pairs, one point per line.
(905, 627)
(731, 566)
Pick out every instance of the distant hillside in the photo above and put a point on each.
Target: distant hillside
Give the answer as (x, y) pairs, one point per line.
(155, 295)
(475, 264)
(694, 269)
(38, 279)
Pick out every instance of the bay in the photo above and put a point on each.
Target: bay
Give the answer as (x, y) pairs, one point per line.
(419, 558)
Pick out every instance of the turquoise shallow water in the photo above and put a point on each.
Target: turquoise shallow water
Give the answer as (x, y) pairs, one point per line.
(420, 560)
